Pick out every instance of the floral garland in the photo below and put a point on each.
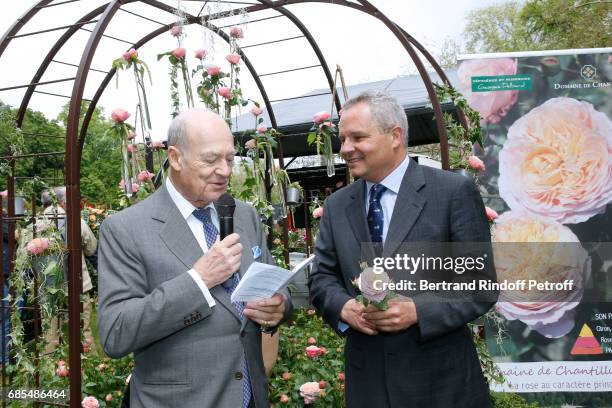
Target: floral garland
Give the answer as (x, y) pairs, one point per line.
(321, 134)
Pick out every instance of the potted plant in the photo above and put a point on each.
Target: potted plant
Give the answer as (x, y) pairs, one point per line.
(294, 194)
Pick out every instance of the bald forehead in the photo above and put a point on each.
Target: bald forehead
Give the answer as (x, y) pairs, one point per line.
(205, 126)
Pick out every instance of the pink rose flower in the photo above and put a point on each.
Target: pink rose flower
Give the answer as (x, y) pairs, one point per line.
(491, 214)
(108, 398)
(131, 135)
(62, 371)
(256, 111)
(318, 212)
(327, 124)
(134, 186)
(157, 144)
(37, 246)
(262, 129)
(236, 32)
(145, 175)
(233, 58)
(130, 148)
(492, 106)
(321, 117)
(213, 70)
(312, 340)
(251, 144)
(311, 312)
(310, 392)
(557, 161)
(284, 399)
(179, 53)
(286, 376)
(126, 56)
(176, 30)
(119, 115)
(322, 351)
(540, 249)
(312, 351)
(61, 363)
(133, 54)
(90, 402)
(367, 281)
(476, 164)
(4, 193)
(225, 92)
(340, 377)
(200, 54)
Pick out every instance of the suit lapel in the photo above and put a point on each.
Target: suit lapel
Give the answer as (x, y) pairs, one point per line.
(355, 212)
(179, 239)
(408, 207)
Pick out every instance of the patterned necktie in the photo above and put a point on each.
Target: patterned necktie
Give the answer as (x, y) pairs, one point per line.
(210, 232)
(376, 217)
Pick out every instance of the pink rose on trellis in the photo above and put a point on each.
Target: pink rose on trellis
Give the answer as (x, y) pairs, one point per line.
(130, 148)
(131, 135)
(326, 123)
(37, 246)
(120, 115)
(321, 117)
(179, 53)
(236, 32)
(131, 55)
(262, 129)
(176, 30)
(310, 392)
(251, 144)
(476, 164)
(145, 175)
(557, 161)
(213, 70)
(256, 110)
(233, 58)
(225, 92)
(90, 402)
(318, 212)
(134, 186)
(492, 106)
(157, 144)
(200, 54)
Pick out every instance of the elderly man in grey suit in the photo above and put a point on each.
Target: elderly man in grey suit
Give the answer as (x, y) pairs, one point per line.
(166, 280)
(416, 353)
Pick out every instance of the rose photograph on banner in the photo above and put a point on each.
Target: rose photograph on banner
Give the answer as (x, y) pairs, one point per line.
(547, 121)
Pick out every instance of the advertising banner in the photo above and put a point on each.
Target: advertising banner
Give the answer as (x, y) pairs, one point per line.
(547, 120)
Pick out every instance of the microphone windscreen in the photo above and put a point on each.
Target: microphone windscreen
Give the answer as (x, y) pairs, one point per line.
(226, 205)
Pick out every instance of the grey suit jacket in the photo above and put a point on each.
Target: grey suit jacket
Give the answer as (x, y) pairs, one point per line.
(434, 363)
(187, 354)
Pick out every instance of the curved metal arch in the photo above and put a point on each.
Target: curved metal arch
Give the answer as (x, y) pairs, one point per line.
(48, 59)
(17, 25)
(72, 175)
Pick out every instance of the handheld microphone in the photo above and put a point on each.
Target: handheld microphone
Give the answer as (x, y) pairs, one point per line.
(225, 208)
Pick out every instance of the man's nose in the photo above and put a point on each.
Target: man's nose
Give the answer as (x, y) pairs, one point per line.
(225, 169)
(346, 147)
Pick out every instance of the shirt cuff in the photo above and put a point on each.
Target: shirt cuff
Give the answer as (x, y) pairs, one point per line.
(198, 280)
(342, 326)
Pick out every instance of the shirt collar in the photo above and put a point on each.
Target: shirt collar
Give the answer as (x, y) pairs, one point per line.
(393, 181)
(184, 206)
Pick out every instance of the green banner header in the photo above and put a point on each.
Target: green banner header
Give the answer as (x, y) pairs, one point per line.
(501, 83)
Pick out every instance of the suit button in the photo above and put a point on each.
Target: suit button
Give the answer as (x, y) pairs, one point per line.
(238, 375)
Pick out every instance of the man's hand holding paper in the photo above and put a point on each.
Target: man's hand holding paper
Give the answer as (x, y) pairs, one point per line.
(266, 312)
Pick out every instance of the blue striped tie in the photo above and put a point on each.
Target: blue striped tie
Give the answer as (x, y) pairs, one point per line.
(210, 232)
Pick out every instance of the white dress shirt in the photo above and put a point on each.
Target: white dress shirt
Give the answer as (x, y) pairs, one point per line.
(387, 201)
(186, 209)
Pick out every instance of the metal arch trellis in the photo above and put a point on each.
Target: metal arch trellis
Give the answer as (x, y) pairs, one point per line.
(75, 136)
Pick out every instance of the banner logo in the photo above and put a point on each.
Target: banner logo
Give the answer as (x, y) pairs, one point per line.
(588, 72)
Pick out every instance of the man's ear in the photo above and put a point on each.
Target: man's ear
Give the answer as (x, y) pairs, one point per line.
(175, 158)
(398, 137)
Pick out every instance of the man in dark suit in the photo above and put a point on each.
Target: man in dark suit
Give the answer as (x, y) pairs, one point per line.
(417, 353)
(166, 280)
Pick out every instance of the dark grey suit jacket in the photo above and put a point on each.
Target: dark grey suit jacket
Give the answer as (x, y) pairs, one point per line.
(187, 354)
(433, 363)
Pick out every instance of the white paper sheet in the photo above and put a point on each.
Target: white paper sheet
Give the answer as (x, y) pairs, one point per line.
(262, 281)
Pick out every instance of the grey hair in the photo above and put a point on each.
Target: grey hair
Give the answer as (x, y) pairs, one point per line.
(45, 198)
(385, 109)
(177, 133)
(60, 194)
